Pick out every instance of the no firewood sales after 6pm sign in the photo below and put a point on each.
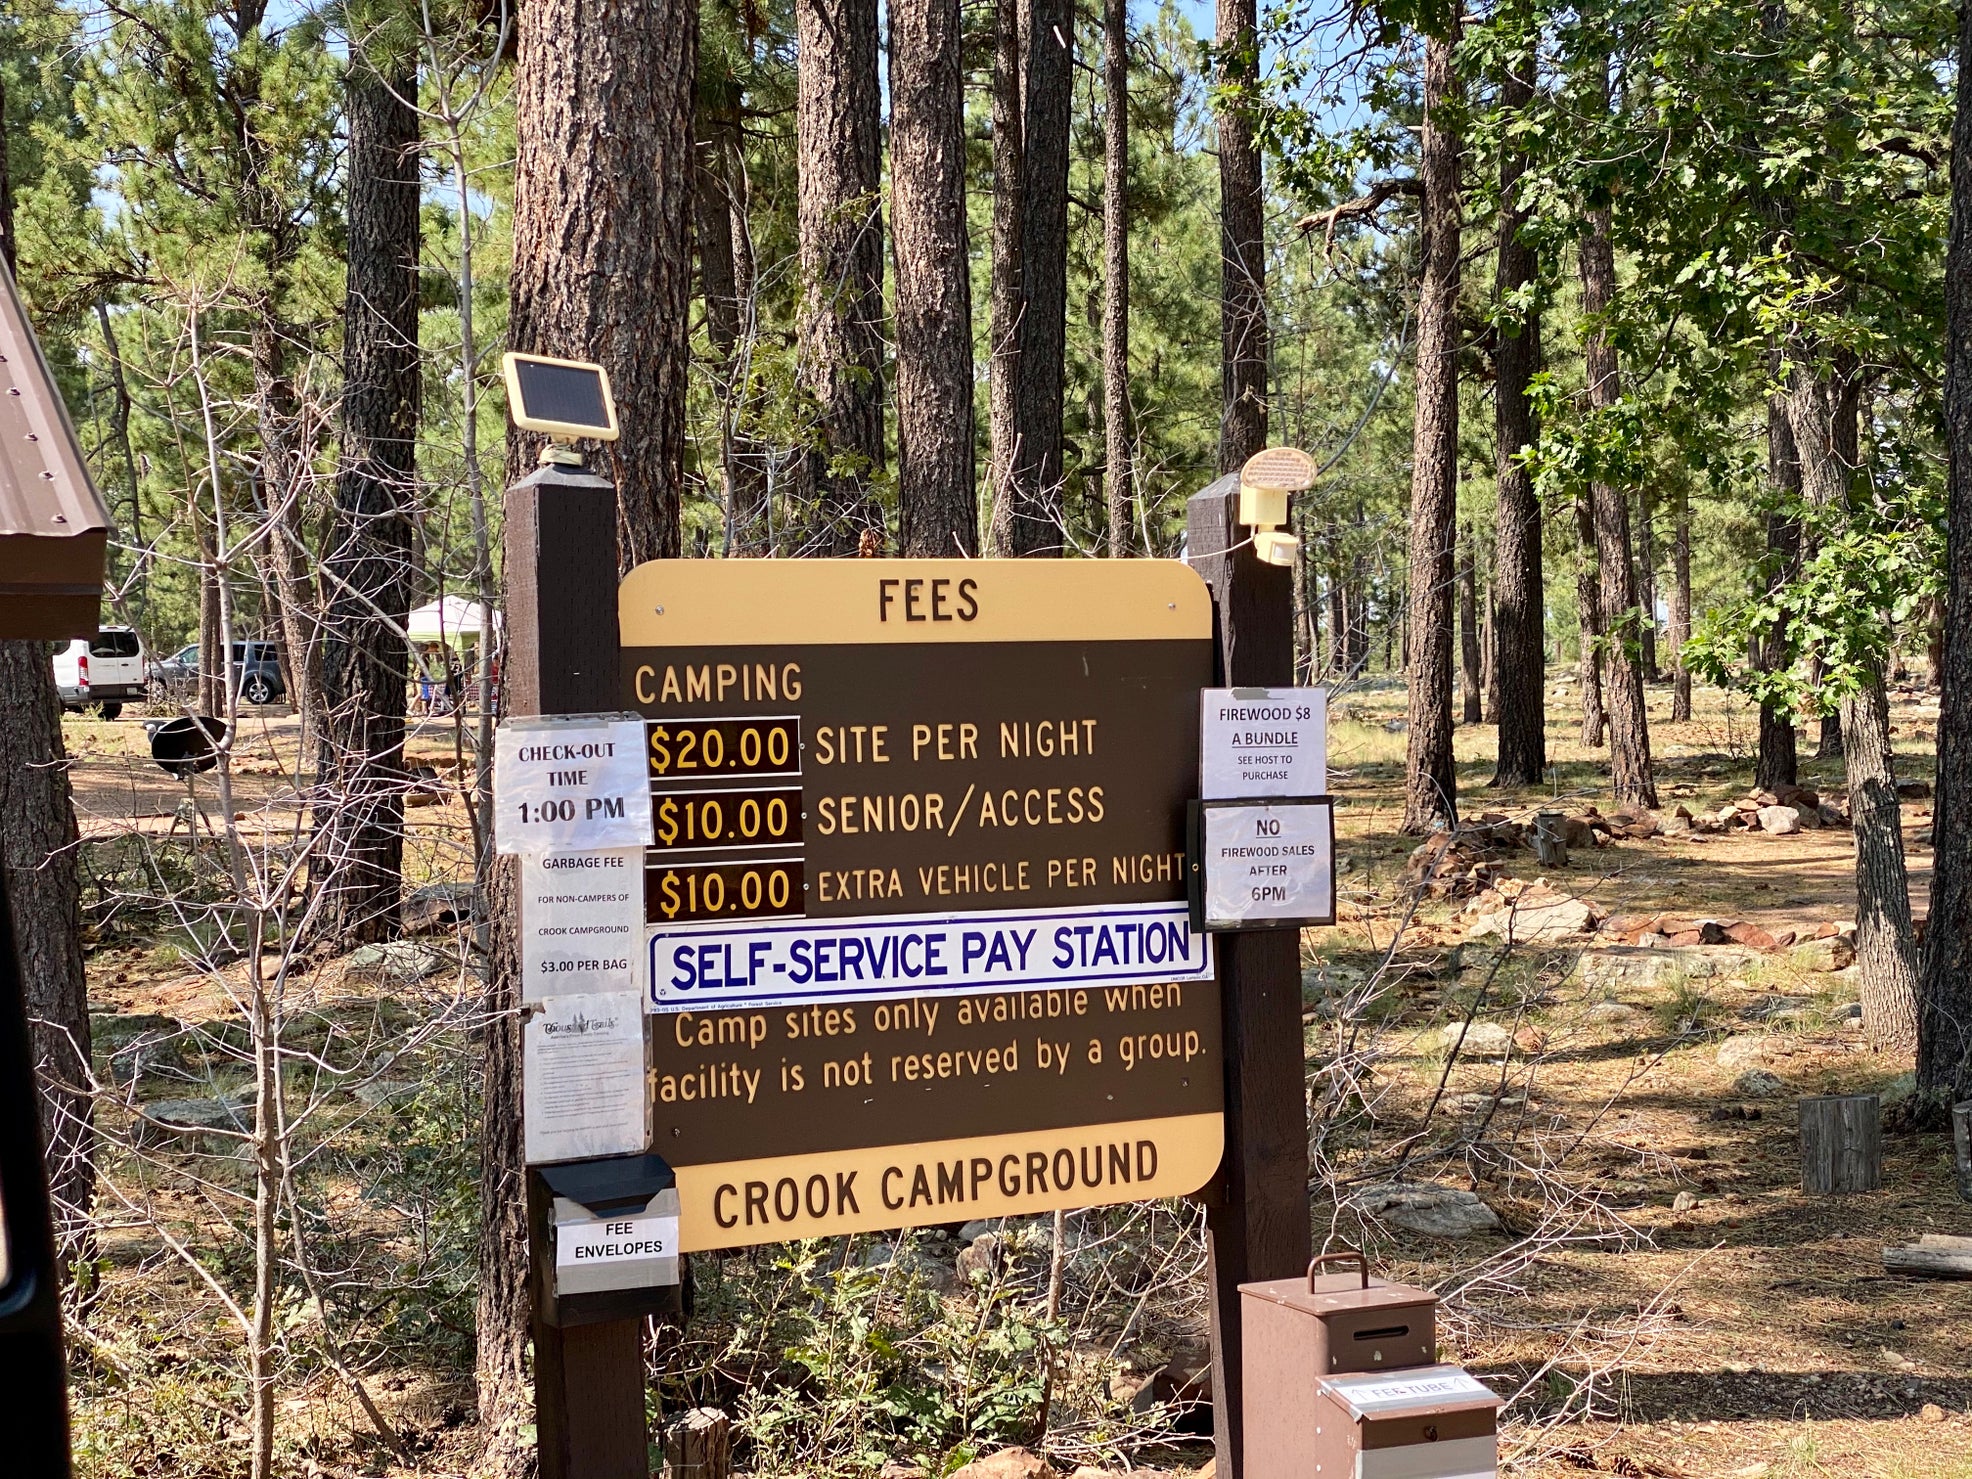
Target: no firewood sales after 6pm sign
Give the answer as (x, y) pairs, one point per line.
(918, 947)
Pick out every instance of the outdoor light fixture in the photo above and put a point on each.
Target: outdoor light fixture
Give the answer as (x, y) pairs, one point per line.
(565, 398)
(1265, 484)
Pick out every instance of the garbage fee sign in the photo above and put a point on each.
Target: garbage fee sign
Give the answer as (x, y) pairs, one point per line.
(919, 948)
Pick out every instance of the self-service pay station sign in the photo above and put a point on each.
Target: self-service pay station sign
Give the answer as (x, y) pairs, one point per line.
(918, 941)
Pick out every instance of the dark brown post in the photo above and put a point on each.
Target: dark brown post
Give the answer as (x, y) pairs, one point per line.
(562, 658)
(1257, 1214)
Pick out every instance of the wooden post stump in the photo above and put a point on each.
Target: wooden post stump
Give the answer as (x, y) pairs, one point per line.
(1550, 845)
(1841, 1143)
(1961, 1140)
(699, 1445)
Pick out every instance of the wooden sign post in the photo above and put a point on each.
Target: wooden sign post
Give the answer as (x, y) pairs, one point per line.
(1257, 1221)
(562, 658)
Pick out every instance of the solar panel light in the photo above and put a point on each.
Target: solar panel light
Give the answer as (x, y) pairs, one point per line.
(1266, 482)
(565, 398)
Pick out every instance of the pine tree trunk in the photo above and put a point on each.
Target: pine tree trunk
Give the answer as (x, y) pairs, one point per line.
(750, 485)
(1944, 1029)
(1629, 725)
(1242, 246)
(602, 262)
(1886, 953)
(1886, 949)
(1003, 328)
(1588, 604)
(1489, 673)
(712, 234)
(284, 488)
(1030, 518)
(1519, 618)
(1680, 624)
(841, 229)
(1646, 587)
(38, 856)
(602, 270)
(358, 856)
(1777, 763)
(938, 512)
(1430, 780)
(1468, 634)
(1116, 417)
(37, 848)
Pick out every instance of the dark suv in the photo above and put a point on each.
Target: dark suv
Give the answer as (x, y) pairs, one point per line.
(258, 664)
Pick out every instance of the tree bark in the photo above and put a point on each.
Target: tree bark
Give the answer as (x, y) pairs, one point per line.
(1886, 950)
(1519, 615)
(38, 850)
(1116, 418)
(1430, 781)
(283, 487)
(1029, 520)
(1646, 580)
(1003, 329)
(727, 313)
(1679, 630)
(602, 232)
(1242, 244)
(938, 513)
(1944, 1032)
(1629, 725)
(1777, 762)
(841, 228)
(358, 855)
(1468, 634)
(1588, 605)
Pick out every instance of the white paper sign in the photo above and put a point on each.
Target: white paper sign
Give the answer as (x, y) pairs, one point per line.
(571, 784)
(582, 1085)
(1263, 742)
(1269, 862)
(581, 922)
(615, 1240)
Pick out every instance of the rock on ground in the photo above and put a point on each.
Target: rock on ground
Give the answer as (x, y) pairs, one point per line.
(165, 1122)
(1758, 1083)
(401, 960)
(1421, 1207)
(1753, 1050)
(1477, 1039)
(1536, 921)
(1008, 1463)
(1779, 820)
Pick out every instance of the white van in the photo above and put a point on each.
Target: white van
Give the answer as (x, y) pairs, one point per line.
(104, 672)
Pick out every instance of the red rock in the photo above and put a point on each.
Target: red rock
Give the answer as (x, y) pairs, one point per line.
(1741, 933)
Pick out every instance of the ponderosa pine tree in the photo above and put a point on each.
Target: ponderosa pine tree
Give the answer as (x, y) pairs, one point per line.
(1777, 762)
(40, 860)
(1519, 594)
(1242, 243)
(1118, 471)
(1027, 517)
(837, 116)
(1944, 1029)
(1430, 781)
(1629, 725)
(358, 848)
(937, 509)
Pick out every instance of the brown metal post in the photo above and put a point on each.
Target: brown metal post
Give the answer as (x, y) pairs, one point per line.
(562, 658)
(1257, 1224)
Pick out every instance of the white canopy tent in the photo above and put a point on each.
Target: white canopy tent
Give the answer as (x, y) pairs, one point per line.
(451, 619)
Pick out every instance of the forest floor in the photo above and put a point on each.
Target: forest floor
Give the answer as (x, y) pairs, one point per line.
(1661, 1291)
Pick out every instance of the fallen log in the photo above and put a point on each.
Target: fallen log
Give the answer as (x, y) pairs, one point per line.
(1933, 1256)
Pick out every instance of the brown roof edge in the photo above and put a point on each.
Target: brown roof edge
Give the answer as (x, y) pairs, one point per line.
(54, 525)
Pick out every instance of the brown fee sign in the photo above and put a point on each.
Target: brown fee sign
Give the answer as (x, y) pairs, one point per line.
(919, 947)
